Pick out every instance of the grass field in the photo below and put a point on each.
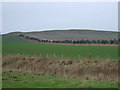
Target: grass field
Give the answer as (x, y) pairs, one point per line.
(23, 80)
(14, 45)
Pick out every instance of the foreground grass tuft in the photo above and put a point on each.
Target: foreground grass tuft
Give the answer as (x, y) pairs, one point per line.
(24, 80)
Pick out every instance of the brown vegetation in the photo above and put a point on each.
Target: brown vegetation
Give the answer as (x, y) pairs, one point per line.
(85, 68)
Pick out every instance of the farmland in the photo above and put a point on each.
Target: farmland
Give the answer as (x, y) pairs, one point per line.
(14, 45)
(30, 64)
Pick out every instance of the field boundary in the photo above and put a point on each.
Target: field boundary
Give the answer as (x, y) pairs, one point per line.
(91, 44)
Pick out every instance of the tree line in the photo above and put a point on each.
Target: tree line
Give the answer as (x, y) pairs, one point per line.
(82, 41)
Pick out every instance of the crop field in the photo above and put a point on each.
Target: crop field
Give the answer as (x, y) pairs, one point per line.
(14, 45)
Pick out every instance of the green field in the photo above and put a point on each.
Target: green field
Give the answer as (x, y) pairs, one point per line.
(23, 80)
(14, 45)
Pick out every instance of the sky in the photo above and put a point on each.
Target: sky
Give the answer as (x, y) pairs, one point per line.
(38, 16)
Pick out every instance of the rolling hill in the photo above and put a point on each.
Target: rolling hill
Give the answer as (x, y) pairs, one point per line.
(73, 35)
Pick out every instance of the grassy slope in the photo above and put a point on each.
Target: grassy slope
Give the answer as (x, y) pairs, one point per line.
(20, 80)
(74, 34)
(14, 45)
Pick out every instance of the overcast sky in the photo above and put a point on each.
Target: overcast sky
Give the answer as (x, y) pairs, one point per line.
(50, 15)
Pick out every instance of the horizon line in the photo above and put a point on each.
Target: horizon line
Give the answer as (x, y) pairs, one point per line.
(37, 30)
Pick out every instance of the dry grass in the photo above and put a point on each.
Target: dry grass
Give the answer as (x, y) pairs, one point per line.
(88, 69)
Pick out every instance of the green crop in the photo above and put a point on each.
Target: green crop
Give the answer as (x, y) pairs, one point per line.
(15, 45)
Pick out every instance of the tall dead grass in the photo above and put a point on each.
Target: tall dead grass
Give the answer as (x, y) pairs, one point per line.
(84, 68)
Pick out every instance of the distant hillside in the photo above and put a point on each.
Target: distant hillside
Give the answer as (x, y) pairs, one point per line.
(73, 35)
